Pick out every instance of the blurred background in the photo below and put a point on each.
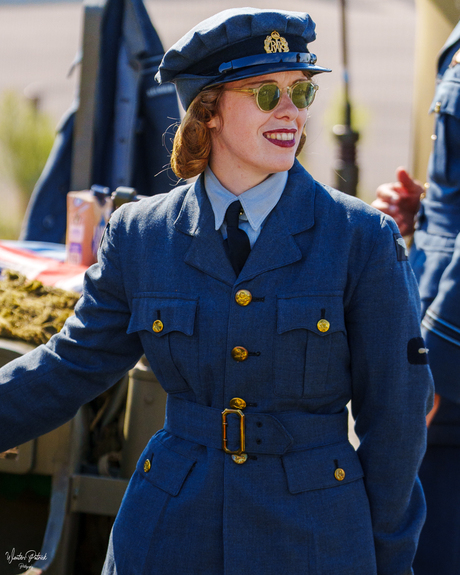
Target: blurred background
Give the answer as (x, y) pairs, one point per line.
(41, 38)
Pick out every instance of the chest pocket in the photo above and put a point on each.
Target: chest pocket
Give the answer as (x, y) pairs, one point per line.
(166, 326)
(444, 161)
(310, 346)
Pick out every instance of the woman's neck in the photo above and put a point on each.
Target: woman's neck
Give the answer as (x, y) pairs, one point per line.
(237, 182)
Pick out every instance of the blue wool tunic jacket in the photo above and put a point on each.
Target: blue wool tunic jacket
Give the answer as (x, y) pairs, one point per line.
(320, 255)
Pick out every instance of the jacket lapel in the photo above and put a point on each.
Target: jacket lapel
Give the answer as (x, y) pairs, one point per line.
(206, 252)
(276, 247)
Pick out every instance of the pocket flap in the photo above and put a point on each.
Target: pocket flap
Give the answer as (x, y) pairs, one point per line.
(163, 467)
(169, 313)
(447, 95)
(322, 467)
(320, 314)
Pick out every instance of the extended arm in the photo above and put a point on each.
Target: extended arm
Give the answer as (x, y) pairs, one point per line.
(45, 388)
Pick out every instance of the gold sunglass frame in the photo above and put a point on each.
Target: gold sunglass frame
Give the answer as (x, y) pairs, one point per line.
(289, 90)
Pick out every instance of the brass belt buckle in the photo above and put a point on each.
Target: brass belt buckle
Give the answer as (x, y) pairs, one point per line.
(224, 431)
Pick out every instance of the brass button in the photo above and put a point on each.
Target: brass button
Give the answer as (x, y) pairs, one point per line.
(339, 474)
(437, 107)
(147, 465)
(240, 459)
(240, 353)
(157, 326)
(237, 403)
(243, 297)
(323, 325)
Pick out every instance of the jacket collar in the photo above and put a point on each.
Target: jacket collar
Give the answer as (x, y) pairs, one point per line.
(275, 246)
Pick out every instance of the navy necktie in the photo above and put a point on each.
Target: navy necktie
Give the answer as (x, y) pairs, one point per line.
(237, 239)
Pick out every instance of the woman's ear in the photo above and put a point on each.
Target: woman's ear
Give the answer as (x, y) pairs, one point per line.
(214, 123)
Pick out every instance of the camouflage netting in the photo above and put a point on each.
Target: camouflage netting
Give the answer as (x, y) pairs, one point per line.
(30, 311)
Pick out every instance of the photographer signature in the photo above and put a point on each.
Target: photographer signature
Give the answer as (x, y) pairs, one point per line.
(28, 557)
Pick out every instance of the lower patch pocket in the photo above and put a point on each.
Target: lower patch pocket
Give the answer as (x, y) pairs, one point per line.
(322, 467)
(328, 486)
(164, 468)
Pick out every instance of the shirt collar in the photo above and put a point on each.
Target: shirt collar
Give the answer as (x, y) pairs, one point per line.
(257, 202)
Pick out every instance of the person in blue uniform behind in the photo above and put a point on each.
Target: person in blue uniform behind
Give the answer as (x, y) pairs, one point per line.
(264, 302)
(435, 257)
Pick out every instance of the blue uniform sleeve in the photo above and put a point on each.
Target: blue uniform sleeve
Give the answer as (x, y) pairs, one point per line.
(45, 388)
(441, 329)
(441, 323)
(392, 392)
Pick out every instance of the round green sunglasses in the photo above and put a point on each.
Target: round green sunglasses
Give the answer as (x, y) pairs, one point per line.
(302, 94)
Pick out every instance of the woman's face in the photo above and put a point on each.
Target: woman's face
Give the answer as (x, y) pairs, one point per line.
(248, 144)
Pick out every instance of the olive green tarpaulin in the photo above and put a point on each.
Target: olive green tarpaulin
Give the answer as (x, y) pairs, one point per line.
(30, 311)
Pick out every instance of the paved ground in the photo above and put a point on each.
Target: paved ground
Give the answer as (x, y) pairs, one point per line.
(40, 39)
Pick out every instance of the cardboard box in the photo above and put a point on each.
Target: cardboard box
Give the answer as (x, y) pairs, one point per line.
(87, 216)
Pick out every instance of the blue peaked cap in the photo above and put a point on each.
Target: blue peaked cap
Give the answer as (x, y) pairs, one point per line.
(238, 43)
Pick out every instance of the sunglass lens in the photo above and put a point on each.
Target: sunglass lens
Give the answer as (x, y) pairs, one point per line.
(268, 97)
(303, 94)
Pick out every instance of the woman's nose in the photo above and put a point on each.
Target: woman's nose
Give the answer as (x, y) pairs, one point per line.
(286, 107)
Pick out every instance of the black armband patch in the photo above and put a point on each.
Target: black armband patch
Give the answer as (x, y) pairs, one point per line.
(417, 353)
(401, 249)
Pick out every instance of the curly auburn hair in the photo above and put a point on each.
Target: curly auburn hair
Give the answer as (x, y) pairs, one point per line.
(192, 141)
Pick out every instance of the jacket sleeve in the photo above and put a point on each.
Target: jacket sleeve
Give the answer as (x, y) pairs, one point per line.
(44, 388)
(441, 329)
(392, 392)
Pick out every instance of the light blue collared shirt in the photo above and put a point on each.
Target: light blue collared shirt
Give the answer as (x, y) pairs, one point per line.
(257, 202)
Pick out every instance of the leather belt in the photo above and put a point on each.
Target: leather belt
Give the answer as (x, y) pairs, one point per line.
(265, 433)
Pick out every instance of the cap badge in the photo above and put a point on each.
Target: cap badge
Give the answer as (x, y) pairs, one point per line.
(275, 43)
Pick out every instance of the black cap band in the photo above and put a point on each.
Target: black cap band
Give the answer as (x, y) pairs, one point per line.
(305, 57)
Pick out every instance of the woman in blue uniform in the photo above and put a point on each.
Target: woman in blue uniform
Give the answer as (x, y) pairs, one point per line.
(264, 302)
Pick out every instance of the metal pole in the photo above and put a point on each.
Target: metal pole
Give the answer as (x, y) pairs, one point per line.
(345, 166)
(83, 138)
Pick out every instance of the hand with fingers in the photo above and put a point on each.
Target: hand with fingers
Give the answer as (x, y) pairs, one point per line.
(400, 200)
